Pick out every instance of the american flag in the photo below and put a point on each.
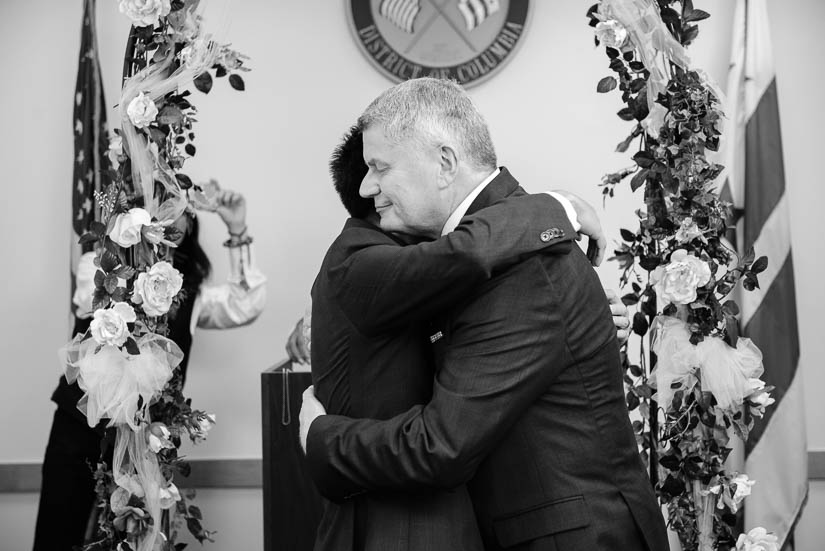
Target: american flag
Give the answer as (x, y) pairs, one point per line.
(776, 450)
(401, 13)
(476, 11)
(91, 164)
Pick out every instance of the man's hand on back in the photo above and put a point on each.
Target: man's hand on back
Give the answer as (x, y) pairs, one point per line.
(591, 226)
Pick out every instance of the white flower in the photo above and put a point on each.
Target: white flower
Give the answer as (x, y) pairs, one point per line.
(757, 539)
(115, 148)
(109, 325)
(154, 233)
(759, 398)
(677, 282)
(158, 437)
(743, 487)
(611, 33)
(205, 423)
(155, 288)
(142, 111)
(126, 230)
(132, 484)
(168, 496)
(145, 12)
(196, 54)
(231, 59)
(688, 231)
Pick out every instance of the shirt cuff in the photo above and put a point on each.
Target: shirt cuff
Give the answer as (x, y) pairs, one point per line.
(568, 209)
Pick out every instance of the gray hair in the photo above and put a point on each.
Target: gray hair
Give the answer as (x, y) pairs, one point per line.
(428, 110)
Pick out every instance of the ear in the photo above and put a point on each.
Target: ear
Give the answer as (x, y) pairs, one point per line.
(448, 166)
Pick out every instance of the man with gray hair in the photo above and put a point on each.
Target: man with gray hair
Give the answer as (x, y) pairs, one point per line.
(527, 402)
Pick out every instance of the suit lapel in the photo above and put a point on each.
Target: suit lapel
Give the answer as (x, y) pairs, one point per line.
(500, 187)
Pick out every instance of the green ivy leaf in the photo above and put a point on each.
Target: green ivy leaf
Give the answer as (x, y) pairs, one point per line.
(184, 181)
(639, 179)
(108, 261)
(88, 237)
(644, 159)
(237, 82)
(606, 85)
(627, 235)
(760, 265)
(110, 283)
(695, 15)
(203, 82)
(627, 114)
(640, 325)
(630, 299)
(132, 347)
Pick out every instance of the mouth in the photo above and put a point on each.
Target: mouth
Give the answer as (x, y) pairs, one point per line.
(379, 208)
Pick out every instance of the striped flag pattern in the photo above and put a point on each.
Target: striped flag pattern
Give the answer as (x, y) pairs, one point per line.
(776, 450)
(91, 164)
(476, 11)
(401, 13)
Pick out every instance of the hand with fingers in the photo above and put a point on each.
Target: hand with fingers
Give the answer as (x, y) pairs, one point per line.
(296, 344)
(591, 227)
(621, 317)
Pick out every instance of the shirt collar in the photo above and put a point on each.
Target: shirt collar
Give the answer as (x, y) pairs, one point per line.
(456, 216)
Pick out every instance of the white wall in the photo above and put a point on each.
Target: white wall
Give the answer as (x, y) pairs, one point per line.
(272, 142)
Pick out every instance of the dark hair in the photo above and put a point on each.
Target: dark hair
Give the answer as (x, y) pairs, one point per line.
(191, 260)
(347, 169)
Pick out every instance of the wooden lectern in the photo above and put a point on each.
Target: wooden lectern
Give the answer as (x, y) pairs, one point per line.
(292, 506)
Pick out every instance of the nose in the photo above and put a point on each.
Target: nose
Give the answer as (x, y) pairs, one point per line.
(369, 186)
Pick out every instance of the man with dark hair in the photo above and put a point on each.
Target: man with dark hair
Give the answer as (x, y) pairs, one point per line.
(347, 169)
(365, 374)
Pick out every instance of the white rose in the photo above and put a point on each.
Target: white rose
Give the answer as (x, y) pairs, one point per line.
(611, 33)
(155, 288)
(115, 148)
(168, 496)
(145, 12)
(109, 325)
(757, 539)
(677, 282)
(158, 437)
(688, 231)
(142, 110)
(196, 54)
(126, 231)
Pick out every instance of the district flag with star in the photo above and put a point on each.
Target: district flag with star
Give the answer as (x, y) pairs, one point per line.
(776, 451)
(91, 142)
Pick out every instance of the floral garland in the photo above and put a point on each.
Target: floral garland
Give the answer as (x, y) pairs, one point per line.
(705, 377)
(124, 363)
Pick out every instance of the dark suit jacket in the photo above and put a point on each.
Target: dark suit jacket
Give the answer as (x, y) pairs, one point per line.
(528, 403)
(381, 364)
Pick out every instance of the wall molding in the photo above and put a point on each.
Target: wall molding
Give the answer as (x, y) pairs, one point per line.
(237, 473)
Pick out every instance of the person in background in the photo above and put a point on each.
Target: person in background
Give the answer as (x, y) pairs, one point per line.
(67, 495)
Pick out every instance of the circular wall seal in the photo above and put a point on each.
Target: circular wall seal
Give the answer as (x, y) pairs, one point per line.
(464, 40)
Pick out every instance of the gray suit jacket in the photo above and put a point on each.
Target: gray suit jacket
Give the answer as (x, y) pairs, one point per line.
(527, 407)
